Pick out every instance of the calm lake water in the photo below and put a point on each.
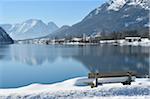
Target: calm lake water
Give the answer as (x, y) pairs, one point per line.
(22, 65)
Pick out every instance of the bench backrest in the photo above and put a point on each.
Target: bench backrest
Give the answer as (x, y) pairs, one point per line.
(114, 74)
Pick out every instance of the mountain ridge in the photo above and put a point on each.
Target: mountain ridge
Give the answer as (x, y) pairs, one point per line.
(4, 37)
(130, 16)
(31, 28)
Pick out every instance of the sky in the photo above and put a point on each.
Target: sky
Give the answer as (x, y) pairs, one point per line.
(61, 12)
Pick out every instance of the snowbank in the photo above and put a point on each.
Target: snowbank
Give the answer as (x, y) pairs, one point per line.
(140, 89)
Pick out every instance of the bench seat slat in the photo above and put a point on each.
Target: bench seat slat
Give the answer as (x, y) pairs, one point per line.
(105, 75)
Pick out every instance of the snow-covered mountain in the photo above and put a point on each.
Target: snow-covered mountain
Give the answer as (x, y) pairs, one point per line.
(113, 16)
(28, 29)
(118, 4)
(4, 37)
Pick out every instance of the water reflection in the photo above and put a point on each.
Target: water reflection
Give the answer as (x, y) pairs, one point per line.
(33, 55)
(25, 64)
(116, 58)
(94, 58)
(3, 49)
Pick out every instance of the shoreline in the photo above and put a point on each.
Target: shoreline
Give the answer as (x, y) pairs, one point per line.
(119, 42)
(69, 89)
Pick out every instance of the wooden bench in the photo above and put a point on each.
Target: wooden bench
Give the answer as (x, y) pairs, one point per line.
(116, 77)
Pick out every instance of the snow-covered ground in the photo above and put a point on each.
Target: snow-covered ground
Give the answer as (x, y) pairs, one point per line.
(140, 89)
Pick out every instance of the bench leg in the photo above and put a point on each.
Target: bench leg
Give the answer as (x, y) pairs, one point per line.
(128, 82)
(92, 85)
(95, 83)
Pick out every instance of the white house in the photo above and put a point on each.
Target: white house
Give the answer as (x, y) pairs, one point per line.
(75, 39)
(132, 39)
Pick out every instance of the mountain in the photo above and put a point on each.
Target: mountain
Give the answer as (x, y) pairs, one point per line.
(52, 27)
(112, 16)
(28, 29)
(4, 37)
(59, 31)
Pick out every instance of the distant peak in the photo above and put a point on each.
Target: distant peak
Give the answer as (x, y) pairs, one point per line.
(116, 5)
(52, 24)
(33, 20)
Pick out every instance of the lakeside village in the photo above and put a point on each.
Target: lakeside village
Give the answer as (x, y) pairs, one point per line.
(91, 40)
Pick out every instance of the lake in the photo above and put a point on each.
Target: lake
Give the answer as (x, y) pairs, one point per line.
(24, 64)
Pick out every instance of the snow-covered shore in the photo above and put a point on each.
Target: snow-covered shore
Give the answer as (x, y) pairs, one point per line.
(122, 42)
(140, 89)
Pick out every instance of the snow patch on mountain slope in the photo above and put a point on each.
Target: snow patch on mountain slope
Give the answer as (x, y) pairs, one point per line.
(147, 25)
(143, 3)
(125, 16)
(97, 10)
(24, 27)
(116, 5)
(140, 19)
